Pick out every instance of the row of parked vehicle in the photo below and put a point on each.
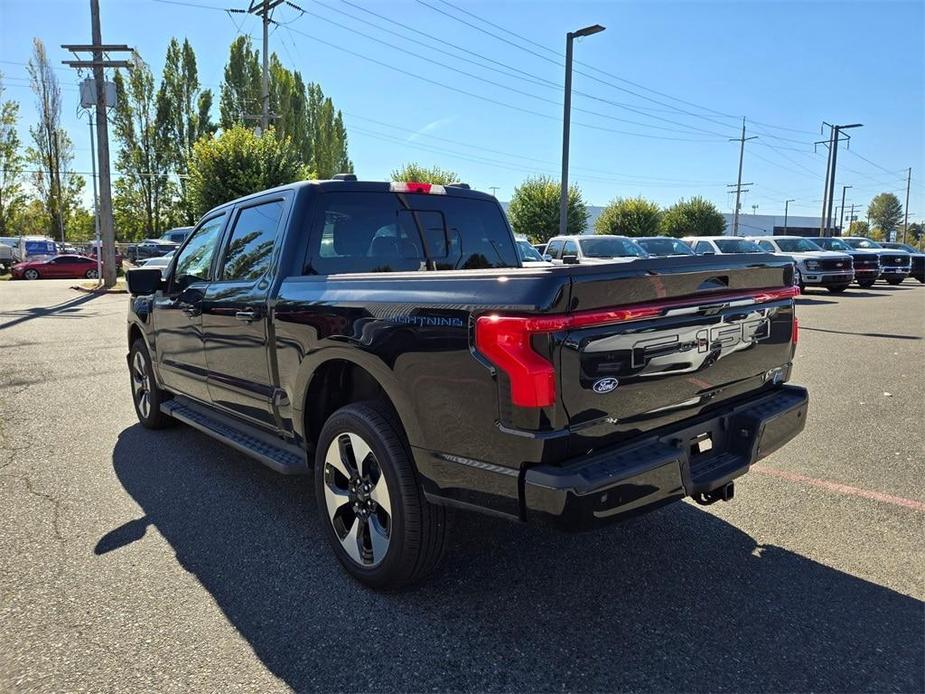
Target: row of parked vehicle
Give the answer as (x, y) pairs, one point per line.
(830, 262)
(33, 258)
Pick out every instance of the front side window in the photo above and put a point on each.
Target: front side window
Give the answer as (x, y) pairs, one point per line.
(398, 232)
(767, 245)
(554, 249)
(571, 248)
(703, 247)
(250, 248)
(528, 252)
(195, 259)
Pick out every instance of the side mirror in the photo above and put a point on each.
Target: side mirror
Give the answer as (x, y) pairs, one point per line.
(143, 281)
(547, 257)
(570, 259)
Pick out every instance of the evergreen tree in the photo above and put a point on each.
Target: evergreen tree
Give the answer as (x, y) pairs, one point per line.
(241, 89)
(12, 197)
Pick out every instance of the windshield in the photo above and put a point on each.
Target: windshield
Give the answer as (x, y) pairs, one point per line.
(665, 247)
(528, 252)
(797, 245)
(862, 243)
(834, 244)
(611, 247)
(737, 246)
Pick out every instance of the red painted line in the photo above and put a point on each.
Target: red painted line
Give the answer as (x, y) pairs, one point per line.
(838, 488)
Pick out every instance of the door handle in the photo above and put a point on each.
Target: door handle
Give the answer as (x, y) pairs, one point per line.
(192, 311)
(248, 316)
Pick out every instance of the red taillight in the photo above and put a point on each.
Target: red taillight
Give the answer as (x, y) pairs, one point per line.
(795, 332)
(415, 187)
(505, 342)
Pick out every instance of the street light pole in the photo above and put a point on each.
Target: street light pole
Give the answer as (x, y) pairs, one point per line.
(841, 220)
(566, 119)
(786, 210)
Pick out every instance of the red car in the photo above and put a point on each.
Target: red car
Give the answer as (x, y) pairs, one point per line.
(59, 266)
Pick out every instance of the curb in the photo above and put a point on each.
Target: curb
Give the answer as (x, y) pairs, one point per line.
(99, 291)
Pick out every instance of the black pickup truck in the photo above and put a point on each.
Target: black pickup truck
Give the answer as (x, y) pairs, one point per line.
(385, 338)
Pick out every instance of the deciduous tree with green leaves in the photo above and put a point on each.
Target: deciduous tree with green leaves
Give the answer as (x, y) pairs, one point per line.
(12, 195)
(239, 162)
(424, 174)
(146, 156)
(885, 212)
(694, 217)
(534, 209)
(240, 93)
(185, 111)
(52, 151)
(629, 217)
(858, 228)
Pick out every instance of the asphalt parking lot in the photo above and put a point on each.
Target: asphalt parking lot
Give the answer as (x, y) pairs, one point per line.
(138, 560)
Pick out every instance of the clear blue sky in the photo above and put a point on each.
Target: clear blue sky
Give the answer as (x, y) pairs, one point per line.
(698, 67)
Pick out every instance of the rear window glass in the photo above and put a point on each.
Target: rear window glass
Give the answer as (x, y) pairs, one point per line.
(393, 232)
(610, 247)
(665, 247)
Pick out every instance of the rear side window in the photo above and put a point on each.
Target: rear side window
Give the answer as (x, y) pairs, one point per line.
(393, 232)
(250, 248)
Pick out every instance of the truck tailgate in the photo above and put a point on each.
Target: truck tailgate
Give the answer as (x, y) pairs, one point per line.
(701, 334)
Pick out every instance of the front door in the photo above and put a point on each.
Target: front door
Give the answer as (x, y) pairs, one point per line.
(235, 313)
(178, 313)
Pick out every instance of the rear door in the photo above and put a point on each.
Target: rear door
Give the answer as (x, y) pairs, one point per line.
(235, 311)
(178, 312)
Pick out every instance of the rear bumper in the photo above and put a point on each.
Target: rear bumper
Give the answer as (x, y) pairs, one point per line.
(613, 484)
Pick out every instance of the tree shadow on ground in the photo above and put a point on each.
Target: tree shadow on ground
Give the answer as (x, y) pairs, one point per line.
(677, 600)
(66, 309)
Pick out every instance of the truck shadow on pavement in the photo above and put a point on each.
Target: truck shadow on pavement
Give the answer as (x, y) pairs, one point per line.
(678, 600)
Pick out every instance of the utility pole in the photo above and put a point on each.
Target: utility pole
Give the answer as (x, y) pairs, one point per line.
(494, 190)
(786, 210)
(906, 207)
(264, 10)
(836, 137)
(828, 172)
(98, 64)
(738, 184)
(850, 218)
(96, 205)
(841, 220)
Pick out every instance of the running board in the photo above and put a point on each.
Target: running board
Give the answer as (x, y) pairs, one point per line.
(268, 449)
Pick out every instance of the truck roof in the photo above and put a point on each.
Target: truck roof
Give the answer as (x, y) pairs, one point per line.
(458, 190)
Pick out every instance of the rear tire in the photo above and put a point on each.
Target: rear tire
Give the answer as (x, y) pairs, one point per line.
(91, 274)
(146, 396)
(379, 525)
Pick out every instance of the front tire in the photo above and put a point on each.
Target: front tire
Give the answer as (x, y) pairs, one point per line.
(895, 280)
(31, 274)
(146, 396)
(377, 521)
(838, 290)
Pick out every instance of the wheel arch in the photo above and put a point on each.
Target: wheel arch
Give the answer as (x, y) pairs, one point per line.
(341, 380)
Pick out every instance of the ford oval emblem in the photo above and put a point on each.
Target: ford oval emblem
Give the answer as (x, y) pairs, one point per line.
(605, 385)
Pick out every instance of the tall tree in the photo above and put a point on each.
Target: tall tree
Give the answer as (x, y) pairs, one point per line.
(328, 135)
(52, 152)
(885, 212)
(424, 174)
(534, 209)
(630, 217)
(144, 159)
(12, 197)
(241, 89)
(239, 162)
(185, 110)
(694, 217)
